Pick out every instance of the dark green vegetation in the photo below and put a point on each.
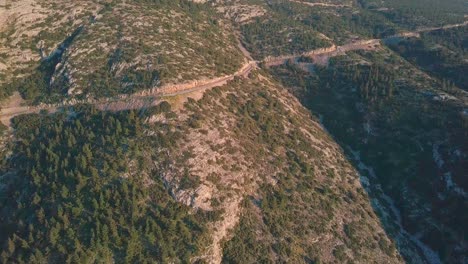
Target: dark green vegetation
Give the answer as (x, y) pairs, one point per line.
(79, 189)
(409, 125)
(7, 91)
(294, 27)
(280, 36)
(396, 127)
(416, 13)
(442, 53)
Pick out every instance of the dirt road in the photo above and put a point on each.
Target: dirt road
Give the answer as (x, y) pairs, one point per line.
(319, 4)
(142, 99)
(153, 96)
(321, 56)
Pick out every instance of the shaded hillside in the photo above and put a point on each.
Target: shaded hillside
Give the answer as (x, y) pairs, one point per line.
(405, 133)
(442, 53)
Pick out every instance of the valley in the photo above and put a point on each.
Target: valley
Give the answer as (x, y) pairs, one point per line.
(233, 131)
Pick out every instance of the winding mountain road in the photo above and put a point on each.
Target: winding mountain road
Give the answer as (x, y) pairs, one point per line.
(138, 100)
(319, 4)
(321, 55)
(153, 96)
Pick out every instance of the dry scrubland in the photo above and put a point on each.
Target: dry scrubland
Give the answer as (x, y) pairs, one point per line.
(237, 157)
(112, 48)
(181, 132)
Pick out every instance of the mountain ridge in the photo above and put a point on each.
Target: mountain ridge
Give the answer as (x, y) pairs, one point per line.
(238, 131)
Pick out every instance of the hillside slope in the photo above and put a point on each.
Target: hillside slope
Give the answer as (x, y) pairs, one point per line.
(233, 131)
(246, 144)
(406, 133)
(103, 49)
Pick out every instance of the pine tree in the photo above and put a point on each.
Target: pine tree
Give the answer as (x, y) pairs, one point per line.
(11, 246)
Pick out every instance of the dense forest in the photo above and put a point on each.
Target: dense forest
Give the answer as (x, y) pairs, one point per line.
(442, 53)
(69, 194)
(417, 13)
(280, 36)
(293, 27)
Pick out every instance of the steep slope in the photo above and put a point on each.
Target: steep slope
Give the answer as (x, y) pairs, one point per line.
(251, 143)
(246, 144)
(402, 123)
(31, 30)
(75, 188)
(406, 133)
(113, 48)
(98, 167)
(441, 53)
(314, 207)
